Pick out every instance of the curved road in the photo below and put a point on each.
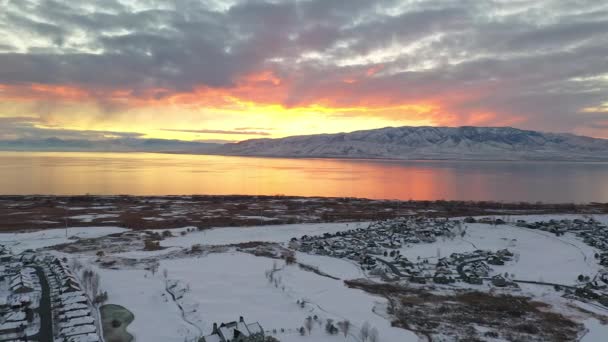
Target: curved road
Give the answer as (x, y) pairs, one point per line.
(46, 319)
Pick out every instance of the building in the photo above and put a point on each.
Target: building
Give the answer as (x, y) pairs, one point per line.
(236, 332)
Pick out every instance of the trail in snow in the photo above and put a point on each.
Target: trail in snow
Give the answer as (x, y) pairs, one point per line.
(181, 309)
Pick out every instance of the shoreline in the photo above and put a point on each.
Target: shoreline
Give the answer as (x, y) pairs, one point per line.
(338, 158)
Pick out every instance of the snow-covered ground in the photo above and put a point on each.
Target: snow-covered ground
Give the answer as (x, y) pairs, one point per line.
(19, 242)
(273, 233)
(223, 286)
(157, 318)
(91, 217)
(541, 255)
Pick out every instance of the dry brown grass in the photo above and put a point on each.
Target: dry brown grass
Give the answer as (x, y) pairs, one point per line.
(514, 318)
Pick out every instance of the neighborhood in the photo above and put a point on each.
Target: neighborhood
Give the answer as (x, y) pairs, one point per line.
(41, 299)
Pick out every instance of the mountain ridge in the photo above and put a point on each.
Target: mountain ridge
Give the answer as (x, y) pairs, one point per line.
(427, 142)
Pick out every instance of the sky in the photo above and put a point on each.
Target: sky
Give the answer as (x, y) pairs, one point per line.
(230, 70)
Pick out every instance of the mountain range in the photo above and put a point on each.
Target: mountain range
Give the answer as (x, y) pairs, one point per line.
(469, 143)
(109, 145)
(464, 143)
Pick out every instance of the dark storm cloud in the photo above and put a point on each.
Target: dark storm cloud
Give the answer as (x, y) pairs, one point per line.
(543, 60)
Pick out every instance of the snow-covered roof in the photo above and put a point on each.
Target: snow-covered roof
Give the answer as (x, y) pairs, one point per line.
(72, 307)
(213, 338)
(11, 325)
(68, 295)
(76, 322)
(79, 330)
(228, 330)
(75, 313)
(24, 279)
(255, 328)
(84, 338)
(242, 327)
(17, 299)
(72, 300)
(15, 316)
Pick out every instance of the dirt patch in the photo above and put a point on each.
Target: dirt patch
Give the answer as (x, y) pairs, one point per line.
(472, 315)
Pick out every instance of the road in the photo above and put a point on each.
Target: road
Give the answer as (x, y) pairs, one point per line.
(46, 318)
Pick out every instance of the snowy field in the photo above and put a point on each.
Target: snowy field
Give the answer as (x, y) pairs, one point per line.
(92, 217)
(273, 233)
(541, 255)
(220, 287)
(225, 286)
(19, 242)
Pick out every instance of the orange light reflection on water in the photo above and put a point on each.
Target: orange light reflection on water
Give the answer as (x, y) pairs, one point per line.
(167, 174)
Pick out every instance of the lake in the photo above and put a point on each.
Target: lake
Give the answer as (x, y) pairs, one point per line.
(173, 174)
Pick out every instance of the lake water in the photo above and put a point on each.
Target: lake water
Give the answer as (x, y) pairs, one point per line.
(167, 174)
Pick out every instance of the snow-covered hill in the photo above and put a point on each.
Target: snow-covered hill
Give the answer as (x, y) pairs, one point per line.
(474, 143)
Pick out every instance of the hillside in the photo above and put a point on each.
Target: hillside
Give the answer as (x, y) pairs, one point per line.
(472, 143)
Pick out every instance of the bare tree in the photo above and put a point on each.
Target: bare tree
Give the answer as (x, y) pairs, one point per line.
(344, 327)
(154, 268)
(94, 285)
(308, 324)
(364, 333)
(76, 265)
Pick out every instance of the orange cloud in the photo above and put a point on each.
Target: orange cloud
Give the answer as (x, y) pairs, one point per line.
(265, 94)
(374, 70)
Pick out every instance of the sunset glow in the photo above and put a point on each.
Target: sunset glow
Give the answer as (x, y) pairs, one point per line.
(279, 69)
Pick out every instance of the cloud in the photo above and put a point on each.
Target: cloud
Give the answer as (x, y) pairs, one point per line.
(14, 128)
(217, 131)
(535, 64)
(253, 129)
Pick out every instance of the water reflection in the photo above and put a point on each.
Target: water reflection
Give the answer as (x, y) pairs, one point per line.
(162, 174)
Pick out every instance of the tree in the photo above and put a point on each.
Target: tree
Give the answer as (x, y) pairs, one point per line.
(344, 326)
(94, 285)
(101, 298)
(364, 333)
(270, 339)
(308, 324)
(151, 245)
(154, 268)
(76, 265)
(328, 325)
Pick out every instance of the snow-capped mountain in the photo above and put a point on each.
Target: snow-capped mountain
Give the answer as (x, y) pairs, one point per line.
(474, 143)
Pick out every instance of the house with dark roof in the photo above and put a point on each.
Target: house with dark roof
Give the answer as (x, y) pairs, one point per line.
(237, 331)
